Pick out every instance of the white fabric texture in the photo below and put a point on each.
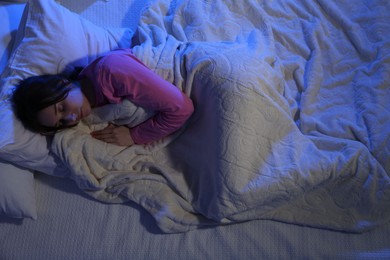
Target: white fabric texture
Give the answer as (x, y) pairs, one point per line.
(284, 129)
(15, 202)
(50, 39)
(17, 193)
(11, 14)
(72, 226)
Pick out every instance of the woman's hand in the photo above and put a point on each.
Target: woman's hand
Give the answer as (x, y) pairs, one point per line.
(119, 135)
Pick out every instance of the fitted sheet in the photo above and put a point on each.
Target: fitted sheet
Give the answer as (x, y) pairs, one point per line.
(74, 226)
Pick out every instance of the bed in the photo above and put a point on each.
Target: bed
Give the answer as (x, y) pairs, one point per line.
(285, 157)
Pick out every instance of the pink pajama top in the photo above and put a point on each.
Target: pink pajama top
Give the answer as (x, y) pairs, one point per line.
(120, 75)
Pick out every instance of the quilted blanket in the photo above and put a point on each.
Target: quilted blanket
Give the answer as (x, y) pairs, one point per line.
(291, 122)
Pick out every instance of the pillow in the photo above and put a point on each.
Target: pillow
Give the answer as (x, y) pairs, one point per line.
(15, 1)
(17, 196)
(50, 40)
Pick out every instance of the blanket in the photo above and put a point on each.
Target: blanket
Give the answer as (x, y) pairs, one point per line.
(291, 122)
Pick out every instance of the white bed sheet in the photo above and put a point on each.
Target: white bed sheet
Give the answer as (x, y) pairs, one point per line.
(10, 14)
(73, 226)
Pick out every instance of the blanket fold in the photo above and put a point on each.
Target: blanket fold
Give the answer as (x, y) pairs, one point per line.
(288, 126)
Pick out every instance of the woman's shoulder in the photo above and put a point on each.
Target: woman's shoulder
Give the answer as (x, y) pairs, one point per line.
(115, 55)
(119, 61)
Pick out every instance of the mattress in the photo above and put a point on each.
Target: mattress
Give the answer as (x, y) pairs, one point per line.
(72, 225)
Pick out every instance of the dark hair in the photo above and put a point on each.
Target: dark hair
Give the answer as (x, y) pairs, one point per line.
(36, 93)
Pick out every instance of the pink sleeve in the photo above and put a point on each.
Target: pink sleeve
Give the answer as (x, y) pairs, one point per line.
(122, 75)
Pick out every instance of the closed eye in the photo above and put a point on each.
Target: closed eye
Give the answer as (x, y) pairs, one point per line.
(58, 110)
(60, 107)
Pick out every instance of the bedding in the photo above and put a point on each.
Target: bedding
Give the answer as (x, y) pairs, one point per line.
(73, 226)
(303, 142)
(43, 25)
(17, 197)
(17, 192)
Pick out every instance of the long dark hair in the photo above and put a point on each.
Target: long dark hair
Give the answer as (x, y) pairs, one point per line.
(36, 93)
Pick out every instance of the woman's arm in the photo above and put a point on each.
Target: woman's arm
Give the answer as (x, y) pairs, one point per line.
(122, 75)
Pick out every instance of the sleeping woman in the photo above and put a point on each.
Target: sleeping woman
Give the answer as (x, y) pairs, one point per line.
(48, 103)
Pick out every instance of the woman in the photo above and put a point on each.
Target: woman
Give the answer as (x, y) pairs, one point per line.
(48, 103)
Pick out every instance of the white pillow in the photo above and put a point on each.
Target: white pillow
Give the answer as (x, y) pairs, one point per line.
(15, 1)
(50, 39)
(17, 195)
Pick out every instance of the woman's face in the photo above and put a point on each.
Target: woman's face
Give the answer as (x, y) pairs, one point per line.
(67, 112)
